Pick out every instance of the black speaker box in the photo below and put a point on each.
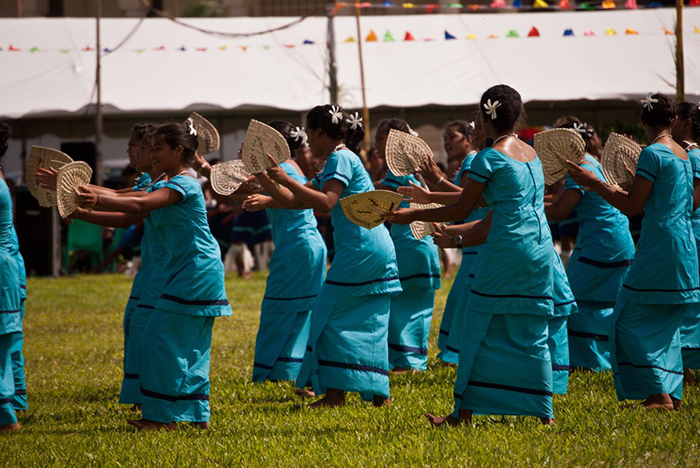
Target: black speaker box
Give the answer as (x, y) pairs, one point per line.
(38, 233)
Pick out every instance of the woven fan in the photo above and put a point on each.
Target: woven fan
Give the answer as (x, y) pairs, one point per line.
(365, 209)
(421, 229)
(554, 147)
(227, 177)
(261, 140)
(619, 154)
(405, 153)
(208, 139)
(70, 177)
(42, 157)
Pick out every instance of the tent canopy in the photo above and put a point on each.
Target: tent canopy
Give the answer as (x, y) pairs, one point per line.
(49, 64)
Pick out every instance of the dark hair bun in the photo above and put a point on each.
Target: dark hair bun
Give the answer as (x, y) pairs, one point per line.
(657, 110)
(502, 105)
(329, 118)
(291, 134)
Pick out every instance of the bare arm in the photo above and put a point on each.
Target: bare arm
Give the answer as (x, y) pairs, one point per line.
(696, 194)
(473, 233)
(142, 204)
(117, 220)
(322, 201)
(561, 208)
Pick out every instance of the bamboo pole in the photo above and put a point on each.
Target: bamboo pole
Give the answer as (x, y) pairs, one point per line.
(365, 109)
(680, 65)
(99, 118)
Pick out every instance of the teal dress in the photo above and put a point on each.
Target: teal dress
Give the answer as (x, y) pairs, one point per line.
(603, 255)
(412, 309)
(10, 306)
(347, 348)
(140, 315)
(176, 343)
(564, 308)
(660, 286)
(297, 270)
(504, 360)
(456, 299)
(690, 327)
(19, 401)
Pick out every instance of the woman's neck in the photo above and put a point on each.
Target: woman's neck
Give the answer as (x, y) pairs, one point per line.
(331, 147)
(654, 133)
(176, 171)
(499, 134)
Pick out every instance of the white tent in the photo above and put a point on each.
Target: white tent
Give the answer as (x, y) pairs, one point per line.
(167, 67)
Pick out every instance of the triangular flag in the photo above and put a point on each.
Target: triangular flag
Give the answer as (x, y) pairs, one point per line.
(694, 3)
(223, 48)
(631, 32)
(160, 48)
(498, 4)
(372, 37)
(668, 33)
(610, 32)
(140, 51)
(308, 42)
(631, 4)
(608, 5)
(87, 49)
(534, 32)
(289, 46)
(363, 5)
(512, 33)
(244, 48)
(449, 36)
(654, 5)
(13, 48)
(408, 5)
(182, 49)
(589, 34)
(586, 6)
(63, 51)
(492, 36)
(564, 5)
(474, 6)
(540, 4)
(409, 37)
(388, 37)
(455, 5)
(568, 32)
(471, 36)
(388, 4)
(266, 47)
(201, 49)
(349, 39)
(107, 49)
(431, 7)
(697, 30)
(34, 49)
(517, 4)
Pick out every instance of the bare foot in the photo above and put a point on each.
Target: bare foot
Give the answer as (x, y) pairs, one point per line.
(403, 370)
(200, 425)
(661, 401)
(688, 378)
(304, 393)
(333, 399)
(146, 425)
(547, 421)
(14, 427)
(677, 404)
(136, 408)
(379, 401)
(465, 417)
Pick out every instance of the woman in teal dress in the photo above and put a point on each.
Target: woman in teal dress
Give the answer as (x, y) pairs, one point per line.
(504, 359)
(176, 342)
(662, 283)
(12, 297)
(603, 254)
(297, 270)
(347, 349)
(419, 272)
(686, 132)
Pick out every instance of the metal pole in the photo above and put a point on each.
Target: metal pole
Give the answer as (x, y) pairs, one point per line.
(20, 9)
(332, 66)
(99, 121)
(365, 110)
(680, 65)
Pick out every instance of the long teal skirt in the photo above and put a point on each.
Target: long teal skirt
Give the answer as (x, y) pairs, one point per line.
(409, 327)
(347, 348)
(448, 353)
(558, 343)
(175, 367)
(589, 336)
(646, 356)
(19, 402)
(7, 381)
(690, 337)
(504, 366)
(131, 383)
(280, 345)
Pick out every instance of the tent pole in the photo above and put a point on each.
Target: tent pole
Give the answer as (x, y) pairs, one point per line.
(680, 66)
(365, 110)
(99, 172)
(332, 68)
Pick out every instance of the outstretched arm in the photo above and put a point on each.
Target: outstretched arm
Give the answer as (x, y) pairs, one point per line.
(322, 201)
(141, 204)
(561, 208)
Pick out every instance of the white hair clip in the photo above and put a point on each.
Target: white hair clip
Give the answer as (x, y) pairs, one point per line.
(336, 115)
(472, 125)
(299, 134)
(193, 131)
(411, 131)
(580, 128)
(648, 102)
(491, 108)
(355, 121)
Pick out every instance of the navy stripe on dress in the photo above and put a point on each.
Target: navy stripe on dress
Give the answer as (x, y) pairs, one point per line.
(409, 349)
(289, 298)
(22, 392)
(184, 196)
(510, 388)
(162, 396)
(596, 263)
(560, 367)
(342, 176)
(134, 298)
(659, 290)
(180, 300)
(357, 367)
(647, 173)
(10, 311)
(364, 283)
(131, 376)
(144, 306)
(419, 275)
(478, 175)
(648, 366)
(5, 401)
(592, 336)
(519, 296)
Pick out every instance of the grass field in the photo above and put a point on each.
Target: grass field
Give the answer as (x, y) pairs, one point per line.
(73, 348)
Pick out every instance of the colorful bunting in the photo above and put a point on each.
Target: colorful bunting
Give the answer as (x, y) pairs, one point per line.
(13, 49)
(534, 32)
(431, 7)
(589, 34)
(289, 46)
(182, 49)
(408, 5)
(34, 49)
(308, 42)
(471, 36)
(223, 48)
(459, 5)
(568, 33)
(564, 5)
(244, 48)
(631, 4)
(498, 4)
(668, 33)
(160, 48)
(654, 5)
(140, 51)
(694, 3)
(512, 33)
(540, 4)
(610, 32)
(201, 49)
(349, 39)
(88, 49)
(409, 37)
(65, 51)
(107, 50)
(371, 37)
(388, 4)
(388, 37)
(586, 6)
(608, 5)
(492, 36)
(631, 32)
(697, 30)
(517, 4)
(448, 36)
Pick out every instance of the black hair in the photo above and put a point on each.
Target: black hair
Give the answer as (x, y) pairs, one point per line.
(660, 113)
(464, 127)
(354, 138)
(5, 132)
(177, 134)
(690, 110)
(140, 130)
(285, 129)
(574, 123)
(322, 117)
(394, 124)
(510, 106)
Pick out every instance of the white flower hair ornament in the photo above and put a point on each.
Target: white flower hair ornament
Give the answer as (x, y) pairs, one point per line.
(355, 121)
(472, 125)
(299, 134)
(411, 131)
(491, 108)
(648, 102)
(193, 131)
(336, 115)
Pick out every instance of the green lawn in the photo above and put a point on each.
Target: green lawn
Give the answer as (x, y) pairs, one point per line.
(73, 348)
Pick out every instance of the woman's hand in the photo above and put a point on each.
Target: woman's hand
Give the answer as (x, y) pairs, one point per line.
(46, 178)
(442, 239)
(249, 186)
(581, 175)
(256, 202)
(86, 198)
(430, 171)
(415, 194)
(275, 171)
(401, 216)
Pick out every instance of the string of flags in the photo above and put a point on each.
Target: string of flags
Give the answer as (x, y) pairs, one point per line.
(371, 37)
(501, 4)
